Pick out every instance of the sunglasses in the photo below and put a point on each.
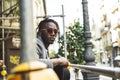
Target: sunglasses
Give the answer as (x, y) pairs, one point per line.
(50, 30)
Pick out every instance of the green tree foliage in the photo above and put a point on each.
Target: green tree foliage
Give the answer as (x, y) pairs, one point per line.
(75, 43)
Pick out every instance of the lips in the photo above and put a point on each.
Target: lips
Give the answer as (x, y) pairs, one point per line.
(52, 39)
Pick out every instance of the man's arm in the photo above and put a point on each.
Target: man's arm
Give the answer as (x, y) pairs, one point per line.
(48, 62)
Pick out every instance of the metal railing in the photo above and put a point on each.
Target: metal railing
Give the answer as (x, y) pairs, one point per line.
(113, 72)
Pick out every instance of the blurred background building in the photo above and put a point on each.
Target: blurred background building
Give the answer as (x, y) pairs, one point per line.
(106, 30)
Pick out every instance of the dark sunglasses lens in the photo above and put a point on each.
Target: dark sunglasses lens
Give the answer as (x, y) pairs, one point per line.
(55, 31)
(51, 30)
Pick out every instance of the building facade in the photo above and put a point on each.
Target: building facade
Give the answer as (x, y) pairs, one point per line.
(107, 27)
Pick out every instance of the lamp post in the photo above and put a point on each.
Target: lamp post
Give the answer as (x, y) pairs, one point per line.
(88, 55)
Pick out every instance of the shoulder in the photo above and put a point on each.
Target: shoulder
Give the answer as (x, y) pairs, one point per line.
(39, 43)
(39, 40)
(41, 50)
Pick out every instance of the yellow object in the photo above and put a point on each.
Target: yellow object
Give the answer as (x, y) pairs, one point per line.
(68, 67)
(33, 65)
(14, 77)
(33, 70)
(45, 74)
(3, 72)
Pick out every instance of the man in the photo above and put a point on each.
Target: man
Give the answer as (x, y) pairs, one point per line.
(47, 32)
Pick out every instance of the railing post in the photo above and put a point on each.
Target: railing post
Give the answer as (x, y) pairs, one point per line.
(27, 31)
(88, 55)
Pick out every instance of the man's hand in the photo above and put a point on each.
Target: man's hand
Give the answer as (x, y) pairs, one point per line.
(60, 61)
(63, 61)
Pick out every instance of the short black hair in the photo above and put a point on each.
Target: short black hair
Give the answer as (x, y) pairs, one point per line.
(43, 23)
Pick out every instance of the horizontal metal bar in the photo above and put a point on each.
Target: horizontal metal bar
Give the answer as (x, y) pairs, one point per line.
(13, 28)
(1, 39)
(8, 18)
(107, 71)
(50, 16)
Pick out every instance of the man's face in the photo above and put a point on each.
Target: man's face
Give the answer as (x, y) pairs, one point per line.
(49, 33)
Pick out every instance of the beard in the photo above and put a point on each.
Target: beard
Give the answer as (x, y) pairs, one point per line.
(51, 41)
(48, 40)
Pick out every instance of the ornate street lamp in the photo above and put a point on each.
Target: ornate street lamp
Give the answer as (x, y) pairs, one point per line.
(88, 55)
